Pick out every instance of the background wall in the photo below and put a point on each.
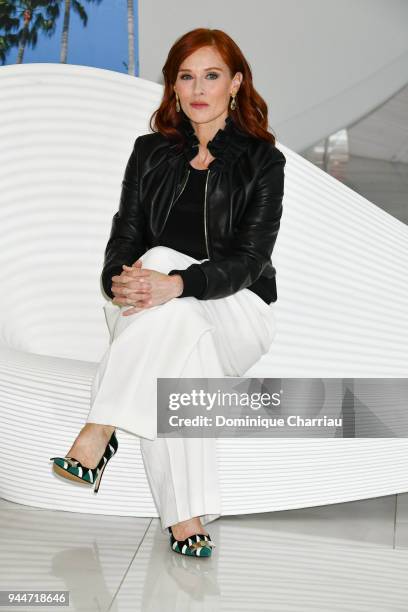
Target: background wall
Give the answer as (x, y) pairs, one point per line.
(321, 64)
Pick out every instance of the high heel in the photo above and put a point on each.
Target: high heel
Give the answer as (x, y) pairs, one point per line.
(72, 469)
(197, 545)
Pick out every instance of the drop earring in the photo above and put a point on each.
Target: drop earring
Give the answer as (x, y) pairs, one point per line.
(177, 103)
(233, 104)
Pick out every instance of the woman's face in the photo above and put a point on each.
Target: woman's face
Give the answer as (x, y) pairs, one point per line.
(203, 77)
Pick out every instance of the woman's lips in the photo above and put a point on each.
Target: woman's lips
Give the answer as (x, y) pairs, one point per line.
(199, 105)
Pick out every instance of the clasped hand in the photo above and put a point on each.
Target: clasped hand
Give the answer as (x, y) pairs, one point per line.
(143, 288)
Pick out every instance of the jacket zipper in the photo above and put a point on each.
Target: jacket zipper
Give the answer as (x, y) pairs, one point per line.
(205, 214)
(174, 201)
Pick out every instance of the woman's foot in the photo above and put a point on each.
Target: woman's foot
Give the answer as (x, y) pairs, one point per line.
(90, 444)
(185, 529)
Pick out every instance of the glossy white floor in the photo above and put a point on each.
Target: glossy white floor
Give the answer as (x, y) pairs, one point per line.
(351, 556)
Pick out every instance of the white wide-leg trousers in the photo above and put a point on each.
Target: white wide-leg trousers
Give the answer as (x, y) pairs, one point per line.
(182, 338)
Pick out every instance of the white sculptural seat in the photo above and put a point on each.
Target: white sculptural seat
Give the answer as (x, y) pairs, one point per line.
(342, 301)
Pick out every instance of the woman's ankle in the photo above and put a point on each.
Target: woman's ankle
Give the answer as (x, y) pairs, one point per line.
(107, 429)
(189, 527)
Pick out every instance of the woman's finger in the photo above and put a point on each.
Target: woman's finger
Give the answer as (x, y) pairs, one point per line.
(130, 311)
(129, 297)
(142, 305)
(121, 290)
(132, 271)
(135, 309)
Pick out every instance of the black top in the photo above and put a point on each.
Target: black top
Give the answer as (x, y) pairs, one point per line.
(184, 229)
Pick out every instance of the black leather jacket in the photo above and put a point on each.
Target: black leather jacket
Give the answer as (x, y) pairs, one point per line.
(242, 210)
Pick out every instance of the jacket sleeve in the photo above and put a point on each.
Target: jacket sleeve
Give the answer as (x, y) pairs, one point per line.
(253, 244)
(127, 237)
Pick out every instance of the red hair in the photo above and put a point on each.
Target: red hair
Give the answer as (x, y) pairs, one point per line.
(251, 112)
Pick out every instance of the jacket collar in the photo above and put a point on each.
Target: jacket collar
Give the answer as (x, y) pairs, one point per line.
(226, 145)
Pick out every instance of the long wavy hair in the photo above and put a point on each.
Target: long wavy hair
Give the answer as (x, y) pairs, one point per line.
(251, 112)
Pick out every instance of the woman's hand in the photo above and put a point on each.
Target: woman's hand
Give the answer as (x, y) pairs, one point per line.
(144, 288)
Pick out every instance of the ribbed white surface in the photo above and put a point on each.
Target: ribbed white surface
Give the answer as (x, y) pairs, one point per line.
(66, 134)
(342, 263)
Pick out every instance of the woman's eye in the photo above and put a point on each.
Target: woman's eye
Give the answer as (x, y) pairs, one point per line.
(210, 73)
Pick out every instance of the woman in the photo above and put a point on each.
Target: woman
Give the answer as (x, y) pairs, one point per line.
(198, 218)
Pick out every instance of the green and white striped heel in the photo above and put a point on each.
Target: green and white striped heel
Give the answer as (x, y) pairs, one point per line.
(197, 545)
(72, 469)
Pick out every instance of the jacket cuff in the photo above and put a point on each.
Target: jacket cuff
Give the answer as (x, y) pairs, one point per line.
(194, 281)
(106, 278)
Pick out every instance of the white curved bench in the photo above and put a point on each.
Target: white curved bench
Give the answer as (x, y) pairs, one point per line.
(342, 301)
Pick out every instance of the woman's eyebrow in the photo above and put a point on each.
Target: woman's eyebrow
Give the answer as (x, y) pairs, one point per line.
(189, 70)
